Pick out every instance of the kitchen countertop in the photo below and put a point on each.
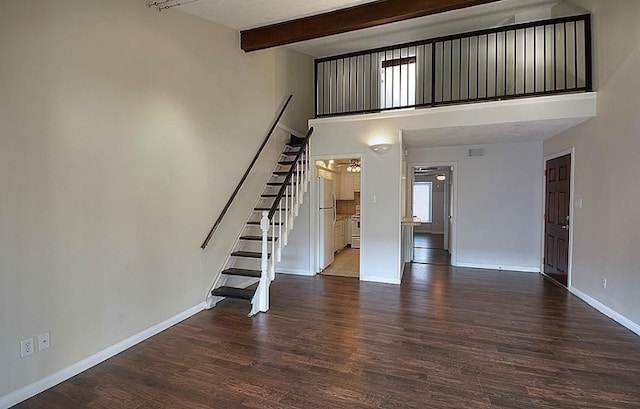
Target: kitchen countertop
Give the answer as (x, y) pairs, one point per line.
(342, 216)
(409, 221)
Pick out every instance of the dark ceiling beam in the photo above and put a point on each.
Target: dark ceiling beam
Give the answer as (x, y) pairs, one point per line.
(345, 20)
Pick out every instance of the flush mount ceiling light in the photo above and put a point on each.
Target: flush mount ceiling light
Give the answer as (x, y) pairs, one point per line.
(380, 147)
(441, 177)
(354, 166)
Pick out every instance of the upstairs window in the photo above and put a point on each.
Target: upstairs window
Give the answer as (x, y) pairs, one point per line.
(398, 82)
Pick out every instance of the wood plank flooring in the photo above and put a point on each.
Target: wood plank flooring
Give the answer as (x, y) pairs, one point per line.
(446, 338)
(428, 248)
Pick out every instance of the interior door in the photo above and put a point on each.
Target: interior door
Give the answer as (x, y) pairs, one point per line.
(558, 202)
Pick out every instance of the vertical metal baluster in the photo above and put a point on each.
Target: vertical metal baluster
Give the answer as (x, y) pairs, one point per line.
(535, 59)
(496, 64)
(469, 68)
(515, 62)
(524, 61)
(433, 74)
(575, 53)
(544, 50)
(564, 32)
(555, 59)
(286, 217)
(459, 69)
(505, 63)
(477, 67)
(280, 231)
(451, 70)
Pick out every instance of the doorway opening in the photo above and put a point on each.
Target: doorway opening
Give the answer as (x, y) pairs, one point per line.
(339, 181)
(432, 210)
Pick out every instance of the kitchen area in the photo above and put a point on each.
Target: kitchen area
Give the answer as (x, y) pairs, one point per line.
(339, 183)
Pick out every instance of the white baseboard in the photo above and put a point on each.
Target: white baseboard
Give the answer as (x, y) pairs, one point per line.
(521, 269)
(619, 318)
(296, 271)
(62, 375)
(381, 280)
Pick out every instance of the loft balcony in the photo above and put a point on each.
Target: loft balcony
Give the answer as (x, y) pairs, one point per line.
(517, 61)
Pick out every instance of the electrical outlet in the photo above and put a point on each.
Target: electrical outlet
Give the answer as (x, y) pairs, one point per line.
(26, 347)
(44, 341)
(604, 282)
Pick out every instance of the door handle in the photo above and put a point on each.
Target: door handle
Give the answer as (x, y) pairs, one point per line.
(566, 226)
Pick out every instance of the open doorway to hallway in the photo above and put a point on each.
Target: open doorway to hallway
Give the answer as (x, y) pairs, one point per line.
(432, 210)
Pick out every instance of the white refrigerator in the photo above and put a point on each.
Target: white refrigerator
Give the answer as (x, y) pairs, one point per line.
(326, 221)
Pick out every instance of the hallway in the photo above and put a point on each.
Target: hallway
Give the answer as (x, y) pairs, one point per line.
(428, 248)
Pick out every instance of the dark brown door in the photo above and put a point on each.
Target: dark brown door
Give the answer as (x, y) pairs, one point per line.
(556, 244)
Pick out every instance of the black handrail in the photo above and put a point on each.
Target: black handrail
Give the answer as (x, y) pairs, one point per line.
(206, 241)
(283, 188)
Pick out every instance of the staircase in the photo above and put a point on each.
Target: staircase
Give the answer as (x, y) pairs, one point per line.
(250, 266)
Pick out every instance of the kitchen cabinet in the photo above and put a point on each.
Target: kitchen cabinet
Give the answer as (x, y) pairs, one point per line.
(338, 235)
(356, 182)
(345, 191)
(340, 231)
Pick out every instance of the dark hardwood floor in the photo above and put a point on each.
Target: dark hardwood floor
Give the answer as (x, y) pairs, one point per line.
(446, 338)
(428, 248)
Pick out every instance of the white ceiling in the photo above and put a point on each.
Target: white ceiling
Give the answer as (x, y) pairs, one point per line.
(243, 14)
(486, 134)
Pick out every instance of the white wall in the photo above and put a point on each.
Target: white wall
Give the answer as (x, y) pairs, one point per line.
(607, 149)
(122, 133)
(499, 203)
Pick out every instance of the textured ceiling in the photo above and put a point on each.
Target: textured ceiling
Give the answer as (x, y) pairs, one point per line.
(486, 134)
(243, 14)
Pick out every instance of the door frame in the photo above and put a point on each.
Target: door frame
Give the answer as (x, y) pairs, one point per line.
(314, 198)
(572, 153)
(452, 200)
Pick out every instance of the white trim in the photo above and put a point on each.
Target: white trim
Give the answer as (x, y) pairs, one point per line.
(585, 103)
(296, 271)
(619, 318)
(62, 375)
(380, 280)
(520, 269)
(572, 152)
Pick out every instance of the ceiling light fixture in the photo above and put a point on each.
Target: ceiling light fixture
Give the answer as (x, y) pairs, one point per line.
(354, 166)
(380, 147)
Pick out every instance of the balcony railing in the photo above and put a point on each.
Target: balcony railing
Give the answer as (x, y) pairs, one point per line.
(521, 60)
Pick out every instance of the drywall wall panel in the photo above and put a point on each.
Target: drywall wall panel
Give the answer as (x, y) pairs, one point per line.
(499, 203)
(607, 149)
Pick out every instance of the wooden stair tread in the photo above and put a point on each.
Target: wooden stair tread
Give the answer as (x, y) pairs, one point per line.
(242, 272)
(248, 254)
(257, 223)
(232, 292)
(256, 238)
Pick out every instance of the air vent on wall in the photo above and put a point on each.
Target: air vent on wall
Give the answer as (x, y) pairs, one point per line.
(475, 153)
